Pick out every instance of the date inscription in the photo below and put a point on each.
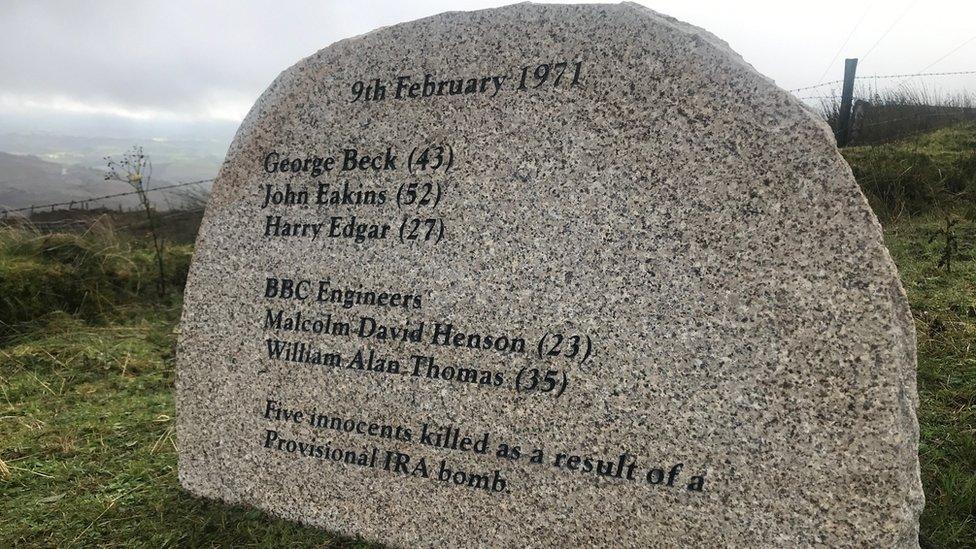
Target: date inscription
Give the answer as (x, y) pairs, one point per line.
(563, 75)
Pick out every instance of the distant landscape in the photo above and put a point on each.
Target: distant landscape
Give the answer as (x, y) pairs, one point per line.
(45, 168)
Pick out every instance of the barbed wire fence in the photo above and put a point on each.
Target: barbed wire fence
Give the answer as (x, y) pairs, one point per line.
(883, 77)
(842, 110)
(4, 212)
(25, 214)
(899, 111)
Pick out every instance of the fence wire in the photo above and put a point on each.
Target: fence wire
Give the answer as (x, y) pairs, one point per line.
(883, 77)
(34, 207)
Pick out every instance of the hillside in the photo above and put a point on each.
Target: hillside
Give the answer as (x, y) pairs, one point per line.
(174, 159)
(27, 180)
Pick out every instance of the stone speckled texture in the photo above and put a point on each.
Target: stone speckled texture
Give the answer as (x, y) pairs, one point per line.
(676, 206)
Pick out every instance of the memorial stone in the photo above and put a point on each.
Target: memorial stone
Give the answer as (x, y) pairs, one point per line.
(547, 275)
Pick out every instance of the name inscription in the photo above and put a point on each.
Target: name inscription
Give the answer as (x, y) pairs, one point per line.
(344, 198)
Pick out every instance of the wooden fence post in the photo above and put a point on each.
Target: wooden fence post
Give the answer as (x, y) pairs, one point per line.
(846, 99)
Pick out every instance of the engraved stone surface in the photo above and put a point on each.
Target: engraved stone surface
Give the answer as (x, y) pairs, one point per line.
(547, 276)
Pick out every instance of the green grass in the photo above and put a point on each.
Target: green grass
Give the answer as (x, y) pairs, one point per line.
(84, 275)
(933, 173)
(86, 424)
(87, 452)
(915, 186)
(87, 455)
(944, 307)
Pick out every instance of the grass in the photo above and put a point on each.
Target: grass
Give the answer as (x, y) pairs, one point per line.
(897, 110)
(86, 424)
(87, 452)
(944, 306)
(87, 455)
(933, 173)
(85, 275)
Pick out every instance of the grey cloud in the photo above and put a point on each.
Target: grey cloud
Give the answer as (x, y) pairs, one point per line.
(167, 55)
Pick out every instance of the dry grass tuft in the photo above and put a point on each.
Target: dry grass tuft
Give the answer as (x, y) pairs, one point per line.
(4, 471)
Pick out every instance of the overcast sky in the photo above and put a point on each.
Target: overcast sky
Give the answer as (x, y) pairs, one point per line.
(155, 64)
